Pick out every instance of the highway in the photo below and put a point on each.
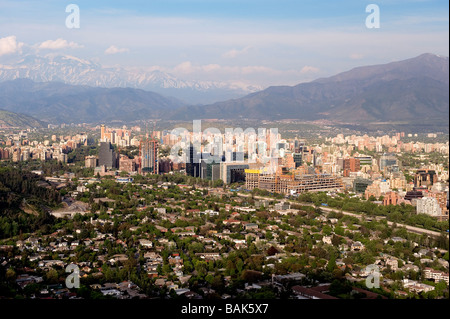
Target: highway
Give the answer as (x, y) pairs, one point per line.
(409, 228)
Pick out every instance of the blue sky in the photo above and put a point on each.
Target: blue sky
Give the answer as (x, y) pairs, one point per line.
(258, 42)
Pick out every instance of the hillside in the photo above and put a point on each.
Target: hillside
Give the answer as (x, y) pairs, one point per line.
(10, 119)
(56, 102)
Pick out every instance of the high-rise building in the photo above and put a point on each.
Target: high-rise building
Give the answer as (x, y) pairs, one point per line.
(210, 171)
(429, 206)
(360, 184)
(425, 178)
(390, 198)
(17, 155)
(4, 153)
(233, 172)
(126, 164)
(149, 155)
(62, 157)
(289, 184)
(351, 165)
(298, 159)
(165, 165)
(90, 161)
(26, 154)
(389, 161)
(107, 156)
(102, 131)
(193, 162)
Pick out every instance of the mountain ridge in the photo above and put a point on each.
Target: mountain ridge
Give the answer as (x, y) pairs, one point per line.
(17, 120)
(75, 71)
(364, 94)
(410, 91)
(56, 102)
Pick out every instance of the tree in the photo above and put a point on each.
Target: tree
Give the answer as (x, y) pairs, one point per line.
(331, 263)
(52, 276)
(338, 287)
(272, 251)
(239, 265)
(335, 240)
(441, 287)
(218, 183)
(10, 275)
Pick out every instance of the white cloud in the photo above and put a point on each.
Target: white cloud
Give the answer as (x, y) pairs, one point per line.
(10, 45)
(187, 68)
(58, 44)
(184, 67)
(356, 56)
(309, 69)
(114, 50)
(234, 53)
(255, 75)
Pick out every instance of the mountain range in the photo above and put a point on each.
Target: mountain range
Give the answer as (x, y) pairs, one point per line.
(412, 91)
(56, 102)
(75, 71)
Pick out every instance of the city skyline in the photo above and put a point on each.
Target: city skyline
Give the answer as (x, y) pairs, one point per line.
(224, 150)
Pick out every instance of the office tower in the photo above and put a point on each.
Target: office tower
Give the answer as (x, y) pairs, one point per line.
(210, 171)
(102, 131)
(106, 156)
(90, 161)
(126, 164)
(17, 155)
(165, 165)
(193, 162)
(425, 178)
(360, 184)
(389, 161)
(351, 165)
(148, 150)
(233, 172)
(298, 159)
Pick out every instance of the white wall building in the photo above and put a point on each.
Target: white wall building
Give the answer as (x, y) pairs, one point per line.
(429, 206)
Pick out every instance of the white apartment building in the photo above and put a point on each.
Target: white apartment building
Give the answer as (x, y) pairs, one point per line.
(429, 206)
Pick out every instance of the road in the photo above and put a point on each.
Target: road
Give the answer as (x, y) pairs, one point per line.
(409, 228)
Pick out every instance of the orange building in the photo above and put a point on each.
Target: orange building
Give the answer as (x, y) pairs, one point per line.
(351, 165)
(391, 198)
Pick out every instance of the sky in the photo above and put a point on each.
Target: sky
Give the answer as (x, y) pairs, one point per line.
(251, 42)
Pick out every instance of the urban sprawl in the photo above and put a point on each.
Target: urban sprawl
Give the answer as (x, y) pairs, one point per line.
(241, 216)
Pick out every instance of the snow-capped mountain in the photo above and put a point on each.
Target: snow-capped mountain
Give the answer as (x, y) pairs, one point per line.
(75, 71)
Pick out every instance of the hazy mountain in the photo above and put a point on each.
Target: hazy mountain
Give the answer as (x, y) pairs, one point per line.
(10, 119)
(412, 91)
(55, 102)
(75, 71)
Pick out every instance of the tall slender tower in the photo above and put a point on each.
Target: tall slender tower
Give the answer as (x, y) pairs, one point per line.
(148, 149)
(102, 130)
